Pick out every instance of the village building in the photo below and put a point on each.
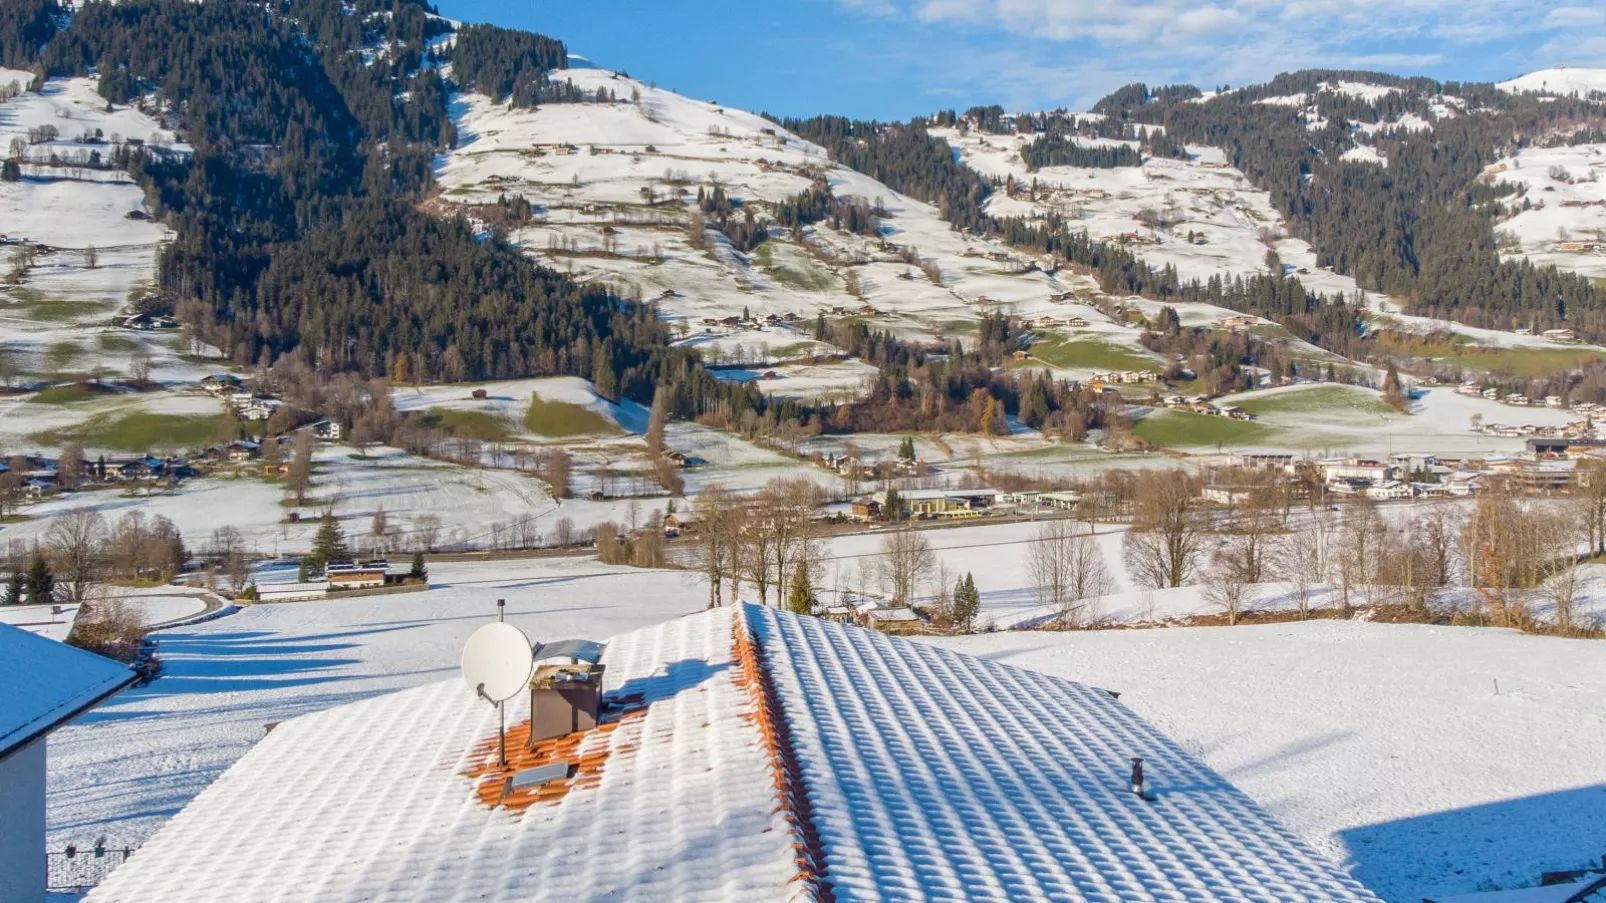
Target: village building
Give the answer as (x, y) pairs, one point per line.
(356, 575)
(740, 753)
(328, 430)
(1391, 490)
(865, 509)
(933, 503)
(1063, 500)
(46, 684)
(1338, 470)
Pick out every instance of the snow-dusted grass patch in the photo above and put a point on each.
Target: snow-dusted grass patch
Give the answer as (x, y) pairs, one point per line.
(562, 419)
(1345, 402)
(1184, 429)
(1091, 353)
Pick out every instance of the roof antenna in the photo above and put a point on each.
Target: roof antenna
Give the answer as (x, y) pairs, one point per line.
(497, 663)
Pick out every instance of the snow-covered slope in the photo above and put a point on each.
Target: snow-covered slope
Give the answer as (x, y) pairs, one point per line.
(1559, 80)
(615, 187)
(1565, 224)
(69, 200)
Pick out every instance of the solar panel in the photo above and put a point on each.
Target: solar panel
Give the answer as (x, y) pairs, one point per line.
(541, 774)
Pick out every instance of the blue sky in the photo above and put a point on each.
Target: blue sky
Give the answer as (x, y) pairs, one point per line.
(892, 59)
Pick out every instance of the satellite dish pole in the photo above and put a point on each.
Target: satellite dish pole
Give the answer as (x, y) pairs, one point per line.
(497, 663)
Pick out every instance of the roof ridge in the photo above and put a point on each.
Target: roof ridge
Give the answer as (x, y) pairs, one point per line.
(790, 792)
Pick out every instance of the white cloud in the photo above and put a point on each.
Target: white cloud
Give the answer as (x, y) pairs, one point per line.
(1574, 16)
(1210, 42)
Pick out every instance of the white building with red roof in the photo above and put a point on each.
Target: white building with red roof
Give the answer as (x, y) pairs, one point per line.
(742, 754)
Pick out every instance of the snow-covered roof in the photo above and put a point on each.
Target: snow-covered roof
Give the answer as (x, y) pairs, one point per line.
(745, 754)
(47, 684)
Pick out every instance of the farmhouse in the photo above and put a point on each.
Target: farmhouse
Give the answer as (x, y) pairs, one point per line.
(1236, 321)
(866, 509)
(678, 522)
(892, 620)
(47, 684)
(740, 754)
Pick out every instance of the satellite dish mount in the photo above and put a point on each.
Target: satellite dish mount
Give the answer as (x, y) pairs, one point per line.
(497, 663)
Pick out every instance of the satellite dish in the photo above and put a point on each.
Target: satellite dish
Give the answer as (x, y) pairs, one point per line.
(497, 661)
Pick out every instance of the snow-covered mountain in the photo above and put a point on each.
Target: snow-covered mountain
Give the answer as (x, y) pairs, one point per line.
(1559, 80)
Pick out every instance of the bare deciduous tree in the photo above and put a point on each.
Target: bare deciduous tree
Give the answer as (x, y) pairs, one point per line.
(1359, 552)
(906, 562)
(1068, 570)
(299, 478)
(719, 519)
(1167, 536)
(75, 541)
(1305, 560)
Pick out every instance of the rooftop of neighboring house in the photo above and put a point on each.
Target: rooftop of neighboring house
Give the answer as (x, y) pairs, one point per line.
(47, 684)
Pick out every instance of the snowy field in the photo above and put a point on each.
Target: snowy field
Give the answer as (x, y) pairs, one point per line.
(466, 501)
(159, 605)
(1427, 760)
(131, 764)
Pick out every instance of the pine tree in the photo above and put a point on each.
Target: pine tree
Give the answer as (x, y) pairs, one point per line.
(41, 583)
(328, 545)
(967, 602)
(892, 508)
(418, 572)
(801, 598)
(15, 589)
(906, 449)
